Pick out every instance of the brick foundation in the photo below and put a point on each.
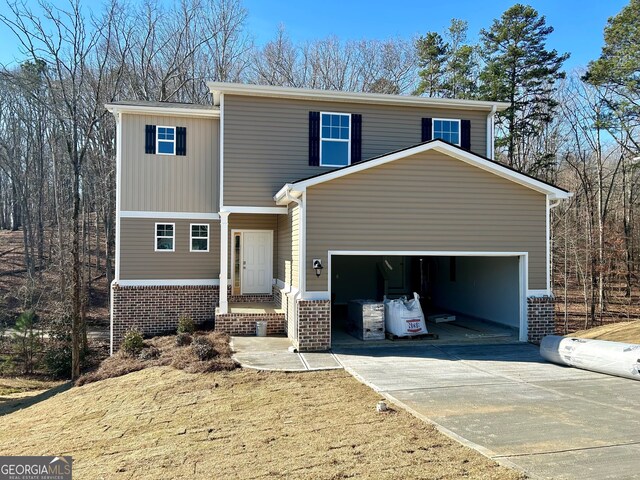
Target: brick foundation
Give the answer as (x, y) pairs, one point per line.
(314, 325)
(245, 323)
(541, 317)
(156, 310)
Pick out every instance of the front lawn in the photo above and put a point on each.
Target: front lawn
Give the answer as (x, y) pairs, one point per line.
(161, 422)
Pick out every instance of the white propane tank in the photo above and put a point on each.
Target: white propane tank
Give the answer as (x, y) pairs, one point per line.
(612, 358)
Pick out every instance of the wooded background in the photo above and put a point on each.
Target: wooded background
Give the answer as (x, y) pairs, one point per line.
(57, 154)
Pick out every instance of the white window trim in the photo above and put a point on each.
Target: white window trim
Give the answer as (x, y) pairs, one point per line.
(335, 140)
(175, 133)
(433, 128)
(191, 237)
(155, 237)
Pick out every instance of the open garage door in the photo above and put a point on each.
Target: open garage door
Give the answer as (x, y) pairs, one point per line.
(485, 293)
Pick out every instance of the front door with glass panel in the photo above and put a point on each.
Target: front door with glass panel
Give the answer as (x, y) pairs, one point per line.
(256, 261)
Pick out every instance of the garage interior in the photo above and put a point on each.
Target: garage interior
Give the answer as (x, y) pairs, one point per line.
(482, 292)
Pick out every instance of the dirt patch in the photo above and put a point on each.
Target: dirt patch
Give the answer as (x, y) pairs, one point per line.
(164, 423)
(163, 351)
(628, 332)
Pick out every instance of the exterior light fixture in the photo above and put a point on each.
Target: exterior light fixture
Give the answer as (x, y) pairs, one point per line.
(317, 266)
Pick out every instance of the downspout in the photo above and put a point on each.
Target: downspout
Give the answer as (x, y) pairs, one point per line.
(491, 133)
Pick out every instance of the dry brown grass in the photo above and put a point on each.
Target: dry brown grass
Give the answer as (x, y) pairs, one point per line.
(165, 423)
(182, 358)
(628, 332)
(15, 387)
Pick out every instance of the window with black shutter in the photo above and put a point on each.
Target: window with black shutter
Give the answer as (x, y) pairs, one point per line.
(164, 140)
(455, 131)
(335, 139)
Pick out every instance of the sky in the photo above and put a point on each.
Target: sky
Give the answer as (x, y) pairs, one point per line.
(578, 24)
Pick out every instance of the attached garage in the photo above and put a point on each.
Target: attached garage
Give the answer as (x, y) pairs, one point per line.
(468, 234)
(484, 293)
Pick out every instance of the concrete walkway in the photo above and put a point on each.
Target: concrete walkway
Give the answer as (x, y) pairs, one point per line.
(508, 403)
(273, 353)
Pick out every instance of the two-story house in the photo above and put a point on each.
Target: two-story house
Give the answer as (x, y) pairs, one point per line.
(308, 198)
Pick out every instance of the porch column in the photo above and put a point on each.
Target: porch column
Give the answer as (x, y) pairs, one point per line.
(224, 258)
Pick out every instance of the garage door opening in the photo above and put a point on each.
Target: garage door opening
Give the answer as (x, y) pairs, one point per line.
(483, 293)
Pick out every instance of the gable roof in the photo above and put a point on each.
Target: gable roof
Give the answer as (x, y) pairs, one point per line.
(218, 88)
(295, 189)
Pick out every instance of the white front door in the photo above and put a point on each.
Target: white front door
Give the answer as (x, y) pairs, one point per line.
(257, 261)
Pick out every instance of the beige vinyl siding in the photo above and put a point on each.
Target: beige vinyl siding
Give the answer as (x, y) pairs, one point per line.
(426, 202)
(266, 140)
(170, 183)
(253, 221)
(140, 261)
(288, 234)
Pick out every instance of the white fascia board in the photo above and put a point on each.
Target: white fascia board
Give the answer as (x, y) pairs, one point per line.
(442, 147)
(427, 253)
(169, 215)
(316, 295)
(258, 210)
(218, 88)
(168, 283)
(539, 293)
(165, 111)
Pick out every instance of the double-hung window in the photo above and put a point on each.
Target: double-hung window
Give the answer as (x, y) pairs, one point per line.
(165, 237)
(199, 237)
(335, 139)
(166, 140)
(447, 130)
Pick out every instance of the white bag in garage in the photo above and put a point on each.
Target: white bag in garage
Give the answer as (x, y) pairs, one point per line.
(404, 318)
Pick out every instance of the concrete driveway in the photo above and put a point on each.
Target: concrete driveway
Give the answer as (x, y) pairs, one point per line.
(507, 402)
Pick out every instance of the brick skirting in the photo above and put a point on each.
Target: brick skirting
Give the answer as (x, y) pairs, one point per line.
(314, 325)
(156, 310)
(251, 298)
(245, 323)
(541, 317)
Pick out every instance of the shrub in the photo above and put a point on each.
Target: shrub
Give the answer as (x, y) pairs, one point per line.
(186, 324)
(203, 348)
(57, 360)
(149, 353)
(183, 339)
(133, 343)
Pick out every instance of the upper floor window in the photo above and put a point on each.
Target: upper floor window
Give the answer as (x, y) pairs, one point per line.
(165, 237)
(199, 237)
(335, 139)
(162, 140)
(166, 141)
(447, 130)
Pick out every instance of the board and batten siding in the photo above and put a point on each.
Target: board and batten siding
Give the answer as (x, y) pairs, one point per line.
(266, 140)
(140, 261)
(426, 202)
(288, 233)
(170, 183)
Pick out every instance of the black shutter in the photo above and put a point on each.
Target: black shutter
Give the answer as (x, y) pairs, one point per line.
(427, 130)
(314, 139)
(465, 134)
(356, 137)
(181, 141)
(150, 139)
